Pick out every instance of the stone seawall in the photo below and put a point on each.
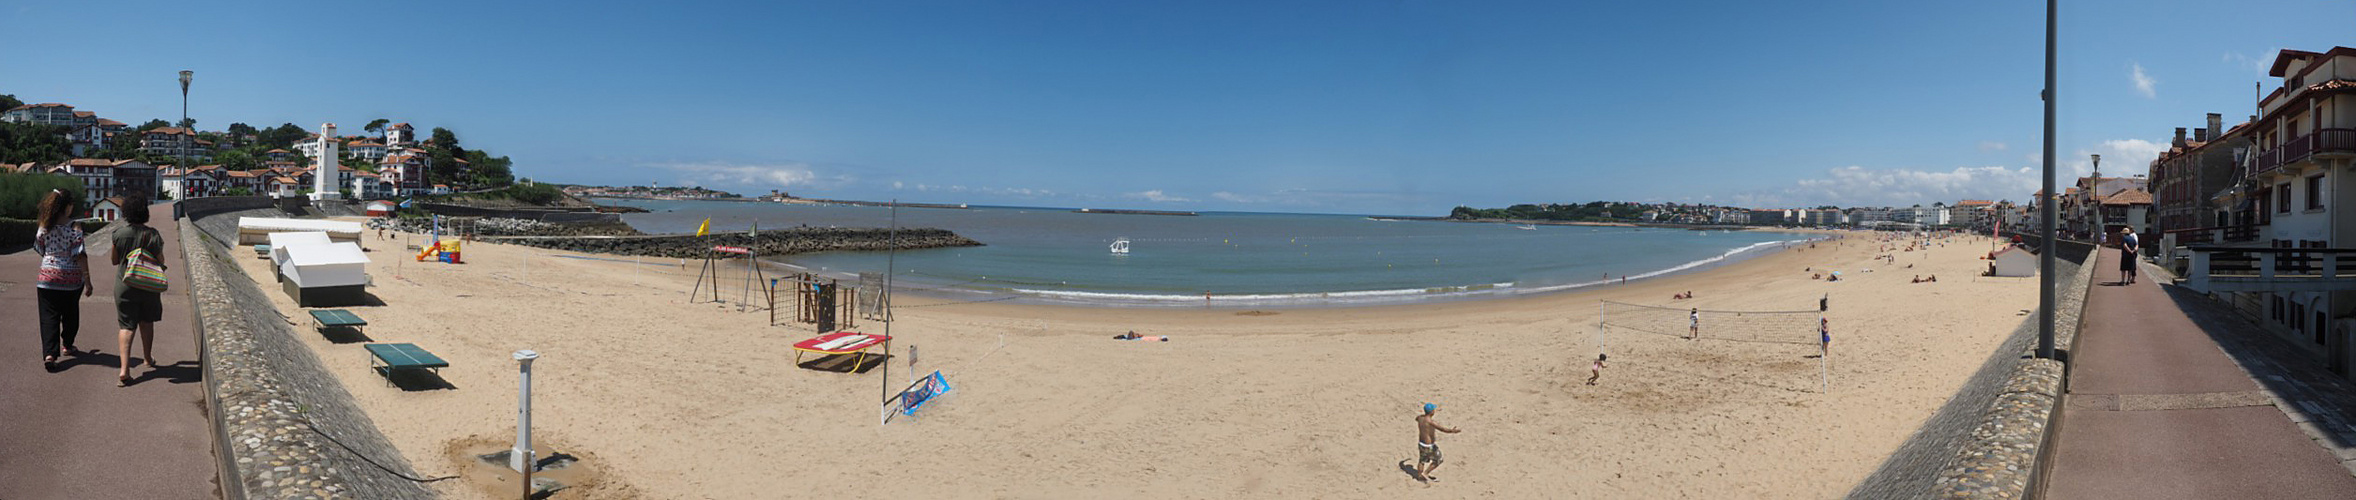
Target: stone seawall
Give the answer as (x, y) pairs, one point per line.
(288, 428)
(1986, 441)
(769, 243)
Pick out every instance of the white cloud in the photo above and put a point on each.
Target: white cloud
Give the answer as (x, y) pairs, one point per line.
(2144, 83)
(1857, 186)
(753, 176)
(1993, 146)
(996, 191)
(1156, 196)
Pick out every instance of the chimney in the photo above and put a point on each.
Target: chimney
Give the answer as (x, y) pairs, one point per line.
(2179, 137)
(2216, 125)
(2200, 135)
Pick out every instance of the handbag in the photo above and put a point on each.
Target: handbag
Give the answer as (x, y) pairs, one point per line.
(143, 273)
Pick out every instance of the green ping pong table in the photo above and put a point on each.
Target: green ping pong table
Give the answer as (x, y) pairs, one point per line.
(336, 318)
(390, 357)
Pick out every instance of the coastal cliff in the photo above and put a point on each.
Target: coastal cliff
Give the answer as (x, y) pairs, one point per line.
(768, 243)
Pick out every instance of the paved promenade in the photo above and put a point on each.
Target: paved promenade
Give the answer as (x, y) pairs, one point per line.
(73, 434)
(2173, 396)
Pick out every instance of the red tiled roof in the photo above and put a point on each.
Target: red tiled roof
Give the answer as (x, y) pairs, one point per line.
(90, 162)
(41, 105)
(274, 151)
(241, 173)
(84, 114)
(171, 130)
(110, 123)
(2129, 197)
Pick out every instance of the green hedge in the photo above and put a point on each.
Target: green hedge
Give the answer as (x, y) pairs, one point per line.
(20, 193)
(20, 231)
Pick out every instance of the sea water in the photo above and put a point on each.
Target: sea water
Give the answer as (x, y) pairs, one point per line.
(1256, 259)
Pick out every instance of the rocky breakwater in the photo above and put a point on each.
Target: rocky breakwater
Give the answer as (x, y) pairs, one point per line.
(767, 243)
(500, 226)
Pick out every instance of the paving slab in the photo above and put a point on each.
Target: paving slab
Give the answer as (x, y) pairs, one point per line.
(73, 434)
(2158, 408)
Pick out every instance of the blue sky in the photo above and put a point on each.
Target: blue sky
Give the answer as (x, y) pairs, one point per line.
(1349, 107)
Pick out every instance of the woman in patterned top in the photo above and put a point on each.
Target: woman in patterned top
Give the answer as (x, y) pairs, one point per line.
(64, 271)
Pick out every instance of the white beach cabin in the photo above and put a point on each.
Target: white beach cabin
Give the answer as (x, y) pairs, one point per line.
(2014, 262)
(380, 208)
(251, 230)
(333, 274)
(279, 242)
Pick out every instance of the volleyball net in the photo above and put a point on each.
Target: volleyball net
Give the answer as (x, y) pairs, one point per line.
(1777, 345)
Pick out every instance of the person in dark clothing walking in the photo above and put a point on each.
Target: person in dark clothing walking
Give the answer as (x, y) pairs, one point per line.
(137, 310)
(64, 273)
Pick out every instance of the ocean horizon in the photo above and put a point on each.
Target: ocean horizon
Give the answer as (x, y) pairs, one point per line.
(1053, 255)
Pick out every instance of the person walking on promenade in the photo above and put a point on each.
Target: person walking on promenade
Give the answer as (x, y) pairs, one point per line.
(137, 310)
(64, 273)
(1427, 442)
(2127, 248)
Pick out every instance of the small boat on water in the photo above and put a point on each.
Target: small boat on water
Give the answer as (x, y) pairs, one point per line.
(1527, 227)
(1120, 246)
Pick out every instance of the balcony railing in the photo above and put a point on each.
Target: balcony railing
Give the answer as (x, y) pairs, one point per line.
(2271, 269)
(2326, 141)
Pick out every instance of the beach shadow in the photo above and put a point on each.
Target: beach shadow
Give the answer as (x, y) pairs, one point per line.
(415, 380)
(1406, 467)
(344, 335)
(844, 363)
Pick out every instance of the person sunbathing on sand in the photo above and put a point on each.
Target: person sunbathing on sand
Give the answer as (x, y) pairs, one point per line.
(1132, 335)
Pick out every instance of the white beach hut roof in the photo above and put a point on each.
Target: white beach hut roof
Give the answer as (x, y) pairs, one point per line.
(280, 242)
(332, 264)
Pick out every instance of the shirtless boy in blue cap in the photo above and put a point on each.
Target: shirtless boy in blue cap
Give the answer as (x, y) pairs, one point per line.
(1427, 444)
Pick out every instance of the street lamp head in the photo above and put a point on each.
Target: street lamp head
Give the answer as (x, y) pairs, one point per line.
(184, 76)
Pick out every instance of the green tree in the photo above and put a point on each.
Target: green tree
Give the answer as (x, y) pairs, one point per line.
(283, 136)
(236, 160)
(188, 123)
(237, 191)
(376, 126)
(8, 102)
(443, 138)
(240, 128)
(32, 142)
(154, 124)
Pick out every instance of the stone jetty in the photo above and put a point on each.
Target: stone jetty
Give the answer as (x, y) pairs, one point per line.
(767, 243)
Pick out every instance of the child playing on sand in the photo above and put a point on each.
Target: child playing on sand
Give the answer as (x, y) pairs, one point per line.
(1694, 324)
(1595, 371)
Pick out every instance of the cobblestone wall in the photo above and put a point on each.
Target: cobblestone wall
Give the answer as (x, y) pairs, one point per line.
(287, 424)
(1985, 442)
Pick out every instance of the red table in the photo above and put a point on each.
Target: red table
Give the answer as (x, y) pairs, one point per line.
(840, 343)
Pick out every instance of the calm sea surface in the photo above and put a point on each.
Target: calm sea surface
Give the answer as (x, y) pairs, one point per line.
(1054, 255)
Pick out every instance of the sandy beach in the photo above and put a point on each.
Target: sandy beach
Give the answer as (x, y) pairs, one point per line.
(672, 399)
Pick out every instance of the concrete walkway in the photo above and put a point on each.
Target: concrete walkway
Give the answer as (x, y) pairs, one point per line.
(2160, 405)
(73, 434)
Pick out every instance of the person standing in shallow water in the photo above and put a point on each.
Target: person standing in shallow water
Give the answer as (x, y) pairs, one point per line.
(64, 273)
(137, 310)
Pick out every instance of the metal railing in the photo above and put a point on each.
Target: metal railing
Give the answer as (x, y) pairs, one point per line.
(2326, 141)
(2286, 269)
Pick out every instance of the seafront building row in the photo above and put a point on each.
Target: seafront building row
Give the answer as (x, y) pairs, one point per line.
(2262, 214)
(399, 157)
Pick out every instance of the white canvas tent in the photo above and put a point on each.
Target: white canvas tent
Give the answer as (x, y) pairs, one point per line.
(251, 230)
(324, 274)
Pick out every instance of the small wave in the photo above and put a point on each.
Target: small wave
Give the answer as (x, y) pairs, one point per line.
(1272, 298)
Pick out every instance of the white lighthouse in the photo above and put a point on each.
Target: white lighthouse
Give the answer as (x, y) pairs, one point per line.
(327, 177)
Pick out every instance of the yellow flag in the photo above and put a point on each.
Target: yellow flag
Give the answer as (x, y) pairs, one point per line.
(700, 229)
